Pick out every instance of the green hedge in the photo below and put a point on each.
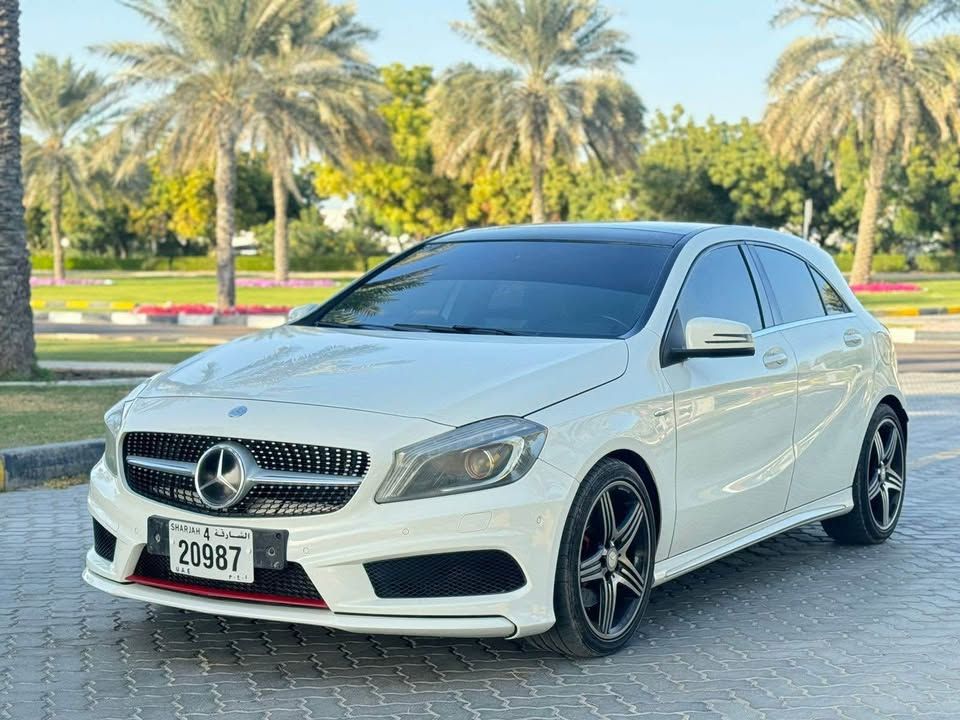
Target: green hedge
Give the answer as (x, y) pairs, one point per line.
(245, 263)
(941, 262)
(882, 262)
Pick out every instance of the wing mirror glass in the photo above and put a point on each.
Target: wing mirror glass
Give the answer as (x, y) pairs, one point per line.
(300, 312)
(714, 337)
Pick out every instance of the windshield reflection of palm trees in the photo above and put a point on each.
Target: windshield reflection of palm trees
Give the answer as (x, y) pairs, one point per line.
(368, 300)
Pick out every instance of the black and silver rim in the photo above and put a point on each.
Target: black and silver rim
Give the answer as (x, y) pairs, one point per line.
(885, 472)
(615, 557)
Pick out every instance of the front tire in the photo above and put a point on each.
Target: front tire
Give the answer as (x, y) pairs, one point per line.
(605, 567)
(878, 486)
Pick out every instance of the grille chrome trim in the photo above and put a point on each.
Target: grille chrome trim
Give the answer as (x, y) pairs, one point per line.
(281, 477)
(257, 474)
(174, 467)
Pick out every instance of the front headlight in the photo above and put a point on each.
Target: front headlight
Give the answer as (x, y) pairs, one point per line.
(113, 419)
(484, 454)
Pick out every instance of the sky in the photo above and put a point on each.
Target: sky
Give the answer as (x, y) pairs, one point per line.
(711, 56)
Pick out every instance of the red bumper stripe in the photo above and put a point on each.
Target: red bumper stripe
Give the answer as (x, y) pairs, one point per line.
(226, 594)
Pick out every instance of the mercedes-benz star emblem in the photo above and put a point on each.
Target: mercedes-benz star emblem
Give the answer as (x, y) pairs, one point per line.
(221, 476)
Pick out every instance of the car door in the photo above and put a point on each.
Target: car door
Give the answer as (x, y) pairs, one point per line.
(734, 415)
(834, 364)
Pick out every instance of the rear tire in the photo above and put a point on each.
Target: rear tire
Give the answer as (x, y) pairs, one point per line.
(878, 485)
(605, 567)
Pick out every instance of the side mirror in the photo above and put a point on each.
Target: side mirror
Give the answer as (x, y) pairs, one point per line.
(300, 312)
(715, 337)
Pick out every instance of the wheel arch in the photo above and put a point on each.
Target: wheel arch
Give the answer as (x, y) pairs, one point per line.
(636, 461)
(896, 405)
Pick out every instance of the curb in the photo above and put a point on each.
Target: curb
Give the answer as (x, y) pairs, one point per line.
(908, 335)
(131, 369)
(31, 466)
(917, 311)
(78, 317)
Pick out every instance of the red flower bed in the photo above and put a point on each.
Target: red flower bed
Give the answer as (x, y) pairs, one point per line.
(173, 309)
(885, 287)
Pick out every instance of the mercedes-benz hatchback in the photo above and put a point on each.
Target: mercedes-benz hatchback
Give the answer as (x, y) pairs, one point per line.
(508, 432)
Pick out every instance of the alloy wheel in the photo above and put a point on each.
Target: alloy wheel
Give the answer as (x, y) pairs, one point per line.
(615, 560)
(885, 472)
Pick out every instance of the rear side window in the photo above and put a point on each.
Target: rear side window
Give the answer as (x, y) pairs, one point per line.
(720, 286)
(832, 301)
(793, 288)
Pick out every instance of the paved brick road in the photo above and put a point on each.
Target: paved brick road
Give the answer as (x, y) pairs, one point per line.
(796, 627)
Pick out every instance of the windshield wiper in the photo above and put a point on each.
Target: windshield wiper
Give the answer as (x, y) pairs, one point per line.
(350, 326)
(461, 329)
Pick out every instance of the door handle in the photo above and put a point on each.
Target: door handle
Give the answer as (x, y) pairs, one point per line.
(775, 358)
(852, 338)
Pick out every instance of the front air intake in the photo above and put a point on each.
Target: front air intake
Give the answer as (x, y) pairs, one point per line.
(104, 541)
(455, 574)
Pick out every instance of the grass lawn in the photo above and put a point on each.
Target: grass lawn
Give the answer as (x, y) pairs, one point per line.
(39, 415)
(115, 350)
(155, 291)
(936, 293)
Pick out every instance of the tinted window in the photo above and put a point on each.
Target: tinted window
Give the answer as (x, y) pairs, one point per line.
(719, 285)
(831, 299)
(581, 289)
(792, 285)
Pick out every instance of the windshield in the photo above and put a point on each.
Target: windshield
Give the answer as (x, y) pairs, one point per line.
(575, 289)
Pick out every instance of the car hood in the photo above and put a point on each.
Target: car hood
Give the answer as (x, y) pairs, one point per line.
(450, 379)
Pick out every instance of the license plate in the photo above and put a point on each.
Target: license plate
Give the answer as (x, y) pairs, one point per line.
(211, 551)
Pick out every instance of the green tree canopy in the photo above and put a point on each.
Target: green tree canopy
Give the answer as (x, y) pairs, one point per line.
(560, 98)
(210, 74)
(324, 102)
(400, 195)
(872, 68)
(61, 103)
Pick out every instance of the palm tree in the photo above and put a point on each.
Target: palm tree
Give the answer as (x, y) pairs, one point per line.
(873, 70)
(61, 103)
(17, 356)
(324, 101)
(206, 77)
(562, 98)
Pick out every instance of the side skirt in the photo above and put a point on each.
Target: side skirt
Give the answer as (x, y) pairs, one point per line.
(836, 504)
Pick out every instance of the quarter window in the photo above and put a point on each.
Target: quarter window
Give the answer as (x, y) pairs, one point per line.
(792, 285)
(720, 286)
(832, 301)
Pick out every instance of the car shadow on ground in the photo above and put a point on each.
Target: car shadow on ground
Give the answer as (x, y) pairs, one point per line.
(784, 577)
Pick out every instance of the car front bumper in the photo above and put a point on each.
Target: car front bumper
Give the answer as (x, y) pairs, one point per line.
(524, 519)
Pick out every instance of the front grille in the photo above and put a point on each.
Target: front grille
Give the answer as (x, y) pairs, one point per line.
(264, 499)
(291, 583)
(289, 457)
(456, 574)
(104, 542)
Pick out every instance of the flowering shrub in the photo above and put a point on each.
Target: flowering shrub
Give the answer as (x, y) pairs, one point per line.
(885, 287)
(294, 283)
(173, 309)
(49, 281)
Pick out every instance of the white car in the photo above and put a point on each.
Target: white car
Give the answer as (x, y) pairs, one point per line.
(508, 432)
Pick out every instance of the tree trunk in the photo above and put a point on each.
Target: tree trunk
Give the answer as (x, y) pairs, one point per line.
(56, 241)
(17, 358)
(225, 187)
(867, 229)
(281, 265)
(537, 211)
